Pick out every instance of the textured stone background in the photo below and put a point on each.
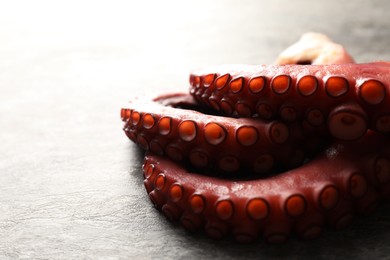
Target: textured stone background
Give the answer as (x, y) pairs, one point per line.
(70, 181)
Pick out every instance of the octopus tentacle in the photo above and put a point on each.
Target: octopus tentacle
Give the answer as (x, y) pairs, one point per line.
(209, 142)
(314, 103)
(292, 92)
(330, 189)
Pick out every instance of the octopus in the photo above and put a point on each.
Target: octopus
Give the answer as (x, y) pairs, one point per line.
(269, 151)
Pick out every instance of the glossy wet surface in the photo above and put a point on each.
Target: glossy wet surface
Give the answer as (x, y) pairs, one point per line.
(71, 182)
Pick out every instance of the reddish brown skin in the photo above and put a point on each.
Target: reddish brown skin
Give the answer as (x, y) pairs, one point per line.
(318, 104)
(291, 92)
(225, 151)
(347, 179)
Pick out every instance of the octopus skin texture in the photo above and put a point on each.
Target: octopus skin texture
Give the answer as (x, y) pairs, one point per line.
(329, 190)
(343, 99)
(348, 178)
(215, 143)
(269, 151)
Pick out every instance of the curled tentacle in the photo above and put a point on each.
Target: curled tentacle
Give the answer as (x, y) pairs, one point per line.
(299, 92)
(330, 189)
(213, 142)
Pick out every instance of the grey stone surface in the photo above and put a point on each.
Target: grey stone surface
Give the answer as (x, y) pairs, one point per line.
(70, 181)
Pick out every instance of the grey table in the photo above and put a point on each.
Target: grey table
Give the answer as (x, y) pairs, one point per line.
(70, 181)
